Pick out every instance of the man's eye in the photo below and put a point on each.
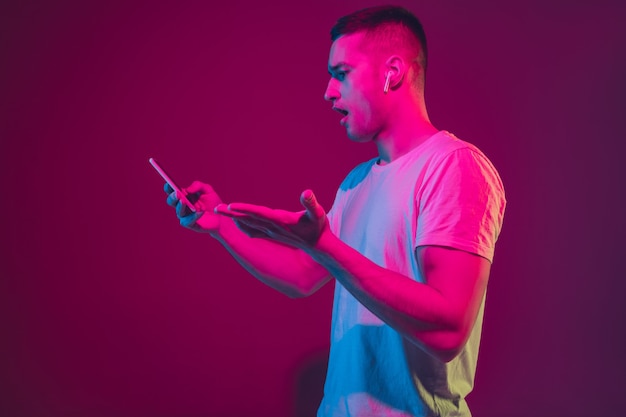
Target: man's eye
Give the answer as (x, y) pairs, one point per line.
(341, 75)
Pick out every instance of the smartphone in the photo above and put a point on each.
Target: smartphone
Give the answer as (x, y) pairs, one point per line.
(172, 184)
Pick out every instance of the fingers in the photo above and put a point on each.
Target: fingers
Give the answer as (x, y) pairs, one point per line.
(193, 192)
(252, 210)
(224, 210)
(242, 221)
(254, 224)
(313, 208)
(240, 210)
(199, 187)
(186, 217)
(188, 206)
(255, 215)
(182, 210)
(172, 198)
(190, 221)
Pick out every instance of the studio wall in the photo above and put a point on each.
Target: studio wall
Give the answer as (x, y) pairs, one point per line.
(109, 308)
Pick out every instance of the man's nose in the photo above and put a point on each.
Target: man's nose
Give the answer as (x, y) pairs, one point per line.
(331, 92)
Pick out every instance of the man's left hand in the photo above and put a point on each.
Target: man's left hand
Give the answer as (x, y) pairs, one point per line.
(301, 229)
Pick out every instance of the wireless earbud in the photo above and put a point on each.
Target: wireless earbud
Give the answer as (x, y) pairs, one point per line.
(387, 80)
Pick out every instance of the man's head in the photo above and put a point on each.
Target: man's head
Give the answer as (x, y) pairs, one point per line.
(388, 30)
(372, 47)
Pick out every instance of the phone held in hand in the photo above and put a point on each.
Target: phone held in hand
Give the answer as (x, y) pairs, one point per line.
(168, 179)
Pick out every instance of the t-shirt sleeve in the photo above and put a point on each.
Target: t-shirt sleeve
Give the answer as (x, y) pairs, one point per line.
(333, 219)
(461, 204)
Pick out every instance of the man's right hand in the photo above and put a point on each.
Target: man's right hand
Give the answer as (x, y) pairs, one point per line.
(204, 199)
(284, 268)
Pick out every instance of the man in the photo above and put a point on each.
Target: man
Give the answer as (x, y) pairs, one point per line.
(409, 239)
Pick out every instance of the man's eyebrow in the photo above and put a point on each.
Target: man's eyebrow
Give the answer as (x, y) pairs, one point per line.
(336, 67)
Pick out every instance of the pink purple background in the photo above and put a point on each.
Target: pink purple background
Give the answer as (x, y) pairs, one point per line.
(109, 308)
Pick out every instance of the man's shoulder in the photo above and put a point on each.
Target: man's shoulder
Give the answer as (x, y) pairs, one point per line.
(357, 174)
(444, 143)
(448, 146)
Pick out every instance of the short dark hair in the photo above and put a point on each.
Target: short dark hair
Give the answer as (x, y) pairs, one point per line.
(380, 19)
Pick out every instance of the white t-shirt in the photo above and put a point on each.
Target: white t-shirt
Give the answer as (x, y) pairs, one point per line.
(445, 192)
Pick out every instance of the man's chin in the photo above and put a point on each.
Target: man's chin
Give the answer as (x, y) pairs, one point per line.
(356, 136)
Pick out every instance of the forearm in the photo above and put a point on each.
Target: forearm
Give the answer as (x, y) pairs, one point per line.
(416, 310)
(284, 268)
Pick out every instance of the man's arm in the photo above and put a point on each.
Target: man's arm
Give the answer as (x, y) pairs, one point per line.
(284, 268)
(437, 315)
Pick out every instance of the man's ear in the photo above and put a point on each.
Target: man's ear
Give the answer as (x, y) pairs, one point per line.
(395, 72)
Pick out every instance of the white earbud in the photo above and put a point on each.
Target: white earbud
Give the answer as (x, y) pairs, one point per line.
(387, 80)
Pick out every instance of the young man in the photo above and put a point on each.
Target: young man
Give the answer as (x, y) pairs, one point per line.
(409, 239)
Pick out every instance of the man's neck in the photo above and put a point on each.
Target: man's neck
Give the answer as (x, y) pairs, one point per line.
(407, 132)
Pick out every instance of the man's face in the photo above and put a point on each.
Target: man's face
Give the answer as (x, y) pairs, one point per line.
(356, 88)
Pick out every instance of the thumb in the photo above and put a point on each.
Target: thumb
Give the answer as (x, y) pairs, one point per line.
(200, 187)
(313, 208)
